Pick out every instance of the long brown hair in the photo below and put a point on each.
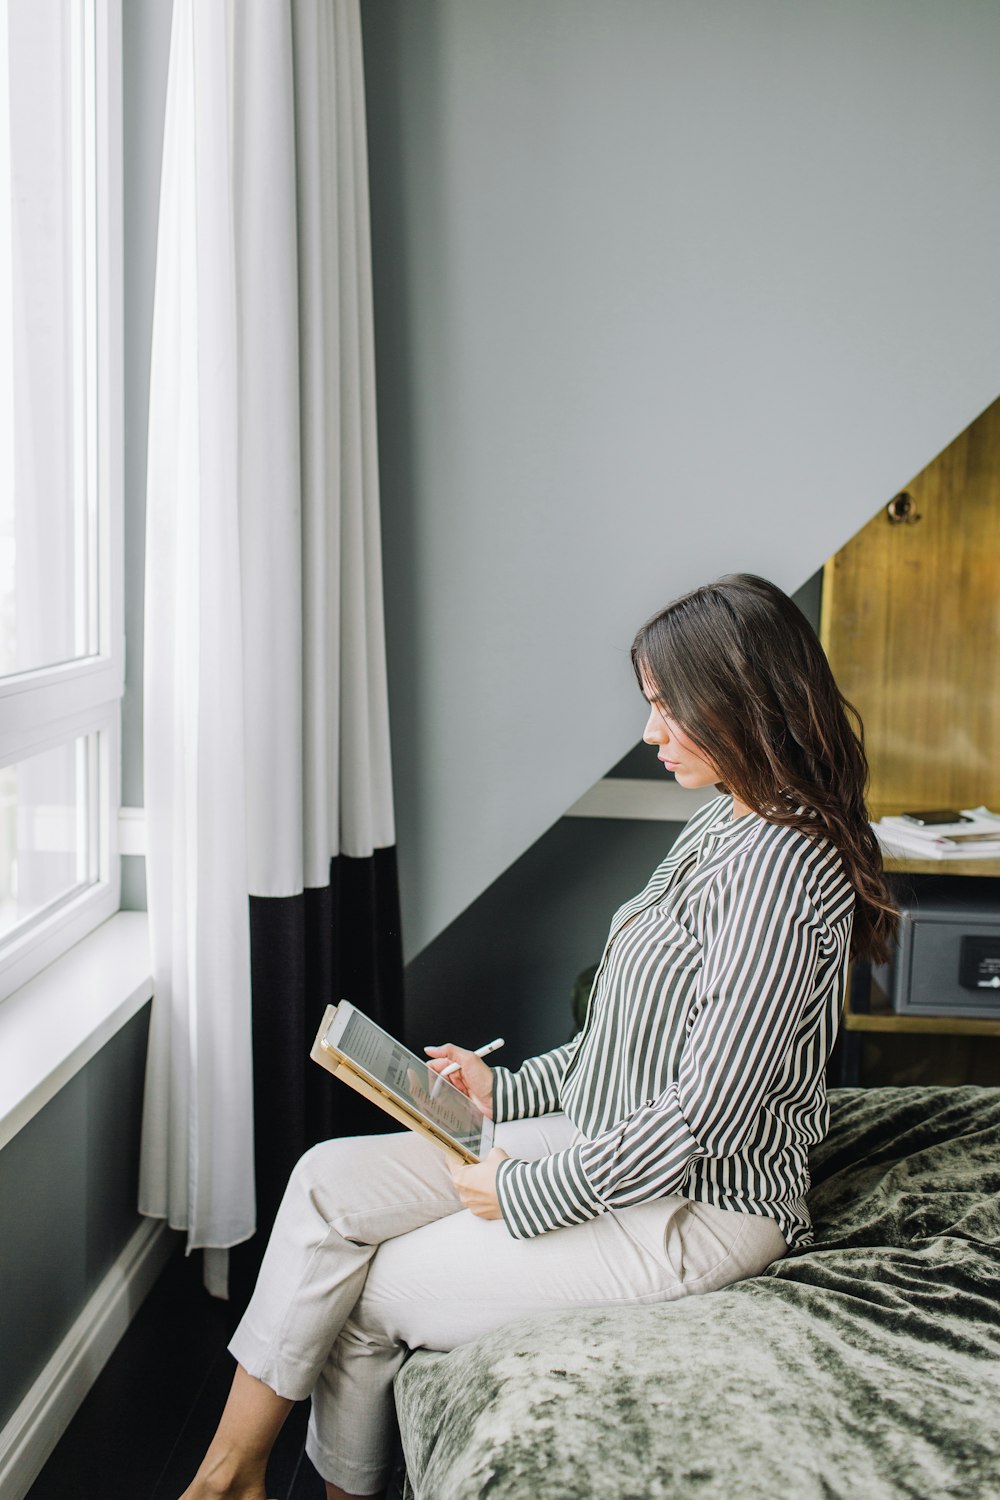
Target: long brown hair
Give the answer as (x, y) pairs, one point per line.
(739, 668)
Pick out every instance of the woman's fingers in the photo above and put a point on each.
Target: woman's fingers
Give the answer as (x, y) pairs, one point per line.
(442, 1057)
(472, 1076)
(476, 1184)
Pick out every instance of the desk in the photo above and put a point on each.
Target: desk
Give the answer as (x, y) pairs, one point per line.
(860, 1016)
(990, 868)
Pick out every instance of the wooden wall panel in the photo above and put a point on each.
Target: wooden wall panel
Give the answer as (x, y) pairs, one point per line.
(911, 624)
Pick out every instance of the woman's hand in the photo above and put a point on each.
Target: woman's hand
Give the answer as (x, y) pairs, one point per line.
(474, 1077)
(477, 1184)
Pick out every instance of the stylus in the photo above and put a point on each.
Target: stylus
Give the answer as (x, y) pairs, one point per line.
(480, 1052)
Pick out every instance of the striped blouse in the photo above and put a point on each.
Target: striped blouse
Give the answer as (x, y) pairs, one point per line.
(700, 1067)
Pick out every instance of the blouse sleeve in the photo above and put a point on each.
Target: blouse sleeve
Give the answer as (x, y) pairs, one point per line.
(534, 1088)
(762, 947)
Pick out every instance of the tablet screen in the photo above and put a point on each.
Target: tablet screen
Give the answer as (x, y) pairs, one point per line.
(410, 1079)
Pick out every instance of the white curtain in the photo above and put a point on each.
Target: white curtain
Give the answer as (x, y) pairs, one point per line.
(266, 722)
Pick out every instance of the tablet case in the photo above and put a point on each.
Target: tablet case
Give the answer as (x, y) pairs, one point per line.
(342, 1067)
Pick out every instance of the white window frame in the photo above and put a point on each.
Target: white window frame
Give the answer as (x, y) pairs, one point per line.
(48, 707)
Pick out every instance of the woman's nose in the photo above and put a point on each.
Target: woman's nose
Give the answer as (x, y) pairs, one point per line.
(655, 731)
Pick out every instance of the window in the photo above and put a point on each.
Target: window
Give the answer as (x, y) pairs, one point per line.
(61, 649)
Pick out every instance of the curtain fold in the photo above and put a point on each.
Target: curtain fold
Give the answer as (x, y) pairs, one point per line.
(331, 927)
(268, 777)
(197, 1148)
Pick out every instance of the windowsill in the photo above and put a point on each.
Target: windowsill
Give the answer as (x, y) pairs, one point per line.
(51, 1027)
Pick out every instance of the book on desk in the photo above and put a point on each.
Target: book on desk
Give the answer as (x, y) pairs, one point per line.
(976, 836)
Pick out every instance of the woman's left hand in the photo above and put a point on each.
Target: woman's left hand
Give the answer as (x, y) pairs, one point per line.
(476, 1185)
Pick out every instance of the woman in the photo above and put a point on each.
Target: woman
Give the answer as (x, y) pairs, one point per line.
(662, 1153)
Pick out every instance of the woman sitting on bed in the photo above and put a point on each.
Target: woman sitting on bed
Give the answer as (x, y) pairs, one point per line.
(662, 1153)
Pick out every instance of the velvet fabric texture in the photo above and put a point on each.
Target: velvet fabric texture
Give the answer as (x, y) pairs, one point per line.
(867, 1365)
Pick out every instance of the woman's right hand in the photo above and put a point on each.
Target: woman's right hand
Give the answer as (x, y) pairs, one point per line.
(474, 1077)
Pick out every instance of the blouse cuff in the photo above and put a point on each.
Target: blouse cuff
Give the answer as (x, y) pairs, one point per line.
(550, 1193)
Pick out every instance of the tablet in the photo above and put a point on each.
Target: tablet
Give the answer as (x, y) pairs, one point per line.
(373, 1062)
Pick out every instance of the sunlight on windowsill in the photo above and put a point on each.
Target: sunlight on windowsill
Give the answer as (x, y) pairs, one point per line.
(51, 1027)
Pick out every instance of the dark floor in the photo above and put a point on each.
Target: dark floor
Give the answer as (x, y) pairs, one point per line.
(145, 1424)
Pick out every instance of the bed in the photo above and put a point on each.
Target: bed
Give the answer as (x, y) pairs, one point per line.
(866, 1367)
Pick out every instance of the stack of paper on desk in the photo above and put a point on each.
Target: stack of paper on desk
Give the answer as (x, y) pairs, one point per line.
(976, 838)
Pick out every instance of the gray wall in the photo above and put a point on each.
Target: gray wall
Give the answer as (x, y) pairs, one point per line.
(661, 290)
(68, 1186)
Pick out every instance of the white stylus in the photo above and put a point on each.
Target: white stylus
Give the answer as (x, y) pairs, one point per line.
(480, 1052)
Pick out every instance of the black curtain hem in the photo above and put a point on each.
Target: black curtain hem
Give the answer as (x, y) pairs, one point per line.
(340, 941)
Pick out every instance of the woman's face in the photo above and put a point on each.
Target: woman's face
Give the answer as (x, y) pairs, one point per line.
(678, 754)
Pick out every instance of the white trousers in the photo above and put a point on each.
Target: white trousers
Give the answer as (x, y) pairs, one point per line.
(372, 1255)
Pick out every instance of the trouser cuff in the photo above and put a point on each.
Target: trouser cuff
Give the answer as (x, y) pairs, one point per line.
(355, 1478)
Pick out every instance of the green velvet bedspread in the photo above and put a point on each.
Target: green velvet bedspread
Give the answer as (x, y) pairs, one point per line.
(866, 1367)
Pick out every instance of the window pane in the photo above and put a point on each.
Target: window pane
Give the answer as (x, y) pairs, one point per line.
(48, 822)
(48, 513)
